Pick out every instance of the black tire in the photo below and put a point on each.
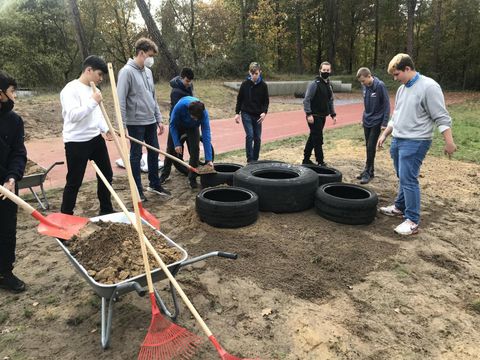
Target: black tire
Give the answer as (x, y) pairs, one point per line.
(266, 161)
(179, 166)
(227, 207)
(326, 175)
(224, 175)
(346, 203)
(280, 187)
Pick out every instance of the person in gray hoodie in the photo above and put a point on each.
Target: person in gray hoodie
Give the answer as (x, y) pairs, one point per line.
(141, 113)
(419, 107)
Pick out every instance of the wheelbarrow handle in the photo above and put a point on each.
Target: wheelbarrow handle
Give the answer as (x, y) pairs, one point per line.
(228, 255)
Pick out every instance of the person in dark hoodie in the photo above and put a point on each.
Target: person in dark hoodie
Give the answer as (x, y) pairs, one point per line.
(318, 104)
(181, 86)
(252, 103)
(375, 117)
(13, 157)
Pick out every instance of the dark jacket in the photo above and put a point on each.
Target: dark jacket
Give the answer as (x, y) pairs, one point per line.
(319, 98)
(13, 154)
(252, 97)
(377, 104)
(178, 91)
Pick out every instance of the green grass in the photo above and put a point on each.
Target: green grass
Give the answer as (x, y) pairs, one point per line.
(475, 306)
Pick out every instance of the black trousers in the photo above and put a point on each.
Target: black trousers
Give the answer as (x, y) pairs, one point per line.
(193, 144)
(315, 139)
(371, 137)
(78, 154)
(8, 235)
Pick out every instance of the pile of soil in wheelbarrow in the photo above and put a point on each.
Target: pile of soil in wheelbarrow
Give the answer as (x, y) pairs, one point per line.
(112, 252)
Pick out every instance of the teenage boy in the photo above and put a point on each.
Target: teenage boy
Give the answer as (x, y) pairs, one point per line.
(83, 126)
(419, 106)
(13, 157)
(141, 113)
(181, 86)
(375, 117)
(318, 104)
(187, 116)
(252, 102)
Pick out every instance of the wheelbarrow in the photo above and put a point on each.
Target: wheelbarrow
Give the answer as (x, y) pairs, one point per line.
(111, 293)
(30, 181)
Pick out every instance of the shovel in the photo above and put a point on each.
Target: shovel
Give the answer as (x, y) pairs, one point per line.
(201, 170)
(144, 213)
(62, 226)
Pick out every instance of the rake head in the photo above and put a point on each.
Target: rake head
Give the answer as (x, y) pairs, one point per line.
(166, 340)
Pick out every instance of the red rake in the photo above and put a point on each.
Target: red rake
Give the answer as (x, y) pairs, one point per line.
(162, 339)
(144, 213)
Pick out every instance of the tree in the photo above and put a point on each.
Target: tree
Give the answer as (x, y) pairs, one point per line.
(411, 5)
(79, 31)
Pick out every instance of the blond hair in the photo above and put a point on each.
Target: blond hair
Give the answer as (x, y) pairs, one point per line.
(253, 67)
(400, 62)
(364, 72)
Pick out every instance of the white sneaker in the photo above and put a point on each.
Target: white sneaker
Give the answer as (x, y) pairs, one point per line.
(390, 210)
(408, 227)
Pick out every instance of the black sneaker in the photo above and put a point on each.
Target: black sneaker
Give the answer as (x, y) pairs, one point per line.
(105, 212)
(193, 183)
(307, 162)
(160, 190)
(323, 163)
(365, 178)
(142, 197)
(163, 180)
(12, 283)
(361, 175)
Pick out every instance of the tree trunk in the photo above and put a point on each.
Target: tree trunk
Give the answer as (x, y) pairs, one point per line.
(437, 30)
(411, 5)
(332, 24)
(192, 33)
(79, 31)
(377, 25)
(157, 37)
(298, 36)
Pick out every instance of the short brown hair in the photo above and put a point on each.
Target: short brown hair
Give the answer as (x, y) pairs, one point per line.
(253, 67)
(144, 44)
(363, 71)
(400, 62)
(196, 109)
(324, 63)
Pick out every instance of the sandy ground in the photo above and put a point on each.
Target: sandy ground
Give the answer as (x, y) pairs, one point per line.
(302, 287)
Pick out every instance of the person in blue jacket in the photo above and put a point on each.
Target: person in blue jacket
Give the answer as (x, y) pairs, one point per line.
(375, 117)
(187, 117)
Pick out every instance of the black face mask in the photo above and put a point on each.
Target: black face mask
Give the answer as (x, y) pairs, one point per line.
(7, 106)
(325, 75)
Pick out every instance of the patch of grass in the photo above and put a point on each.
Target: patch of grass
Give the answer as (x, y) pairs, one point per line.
(401, 271)
(3, 317)
(466, 133)
(475, 306)
(27, 313)
(52, 300)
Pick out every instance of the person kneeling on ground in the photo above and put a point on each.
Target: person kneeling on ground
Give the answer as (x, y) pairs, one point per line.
(187, 116)
(13, 157)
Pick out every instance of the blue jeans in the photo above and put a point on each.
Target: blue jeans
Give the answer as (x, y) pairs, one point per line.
(253, 131)
(407, 158)
(147, 134)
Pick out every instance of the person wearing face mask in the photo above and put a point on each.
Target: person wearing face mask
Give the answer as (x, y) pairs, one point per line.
(141, 113)
(318, 104)
(13, 157)
(252, 103)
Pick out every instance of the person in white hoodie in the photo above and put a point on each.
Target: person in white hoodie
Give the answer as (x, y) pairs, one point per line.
(141, 113)
(83, 126)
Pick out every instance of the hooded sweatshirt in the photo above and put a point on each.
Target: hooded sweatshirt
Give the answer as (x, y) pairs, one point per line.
(136, 94)
(252, 97)
(13, 155)
(178, 91)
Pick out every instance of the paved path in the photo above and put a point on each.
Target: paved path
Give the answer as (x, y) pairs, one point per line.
(226, 136)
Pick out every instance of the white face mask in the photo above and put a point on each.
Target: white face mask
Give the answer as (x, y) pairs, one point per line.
(149, 62)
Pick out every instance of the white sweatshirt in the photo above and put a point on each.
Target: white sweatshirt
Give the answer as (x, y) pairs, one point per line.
(82, 118)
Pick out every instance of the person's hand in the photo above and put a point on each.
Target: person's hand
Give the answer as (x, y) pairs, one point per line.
(334, 118)
(380, 142)
(160, 129)
(97, 96)
(237, 118)
(450, 148)
(310, 119)
(108, 136)
(9, 185)
(179, 150)
(262, 117)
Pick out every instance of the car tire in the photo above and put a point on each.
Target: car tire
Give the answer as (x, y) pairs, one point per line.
(346, 203)
(227, 206)
(280, 187)
(326, 175)
(224, 175)
(182, 169)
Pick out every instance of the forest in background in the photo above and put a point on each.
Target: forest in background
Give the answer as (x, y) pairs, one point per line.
(43, 42)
